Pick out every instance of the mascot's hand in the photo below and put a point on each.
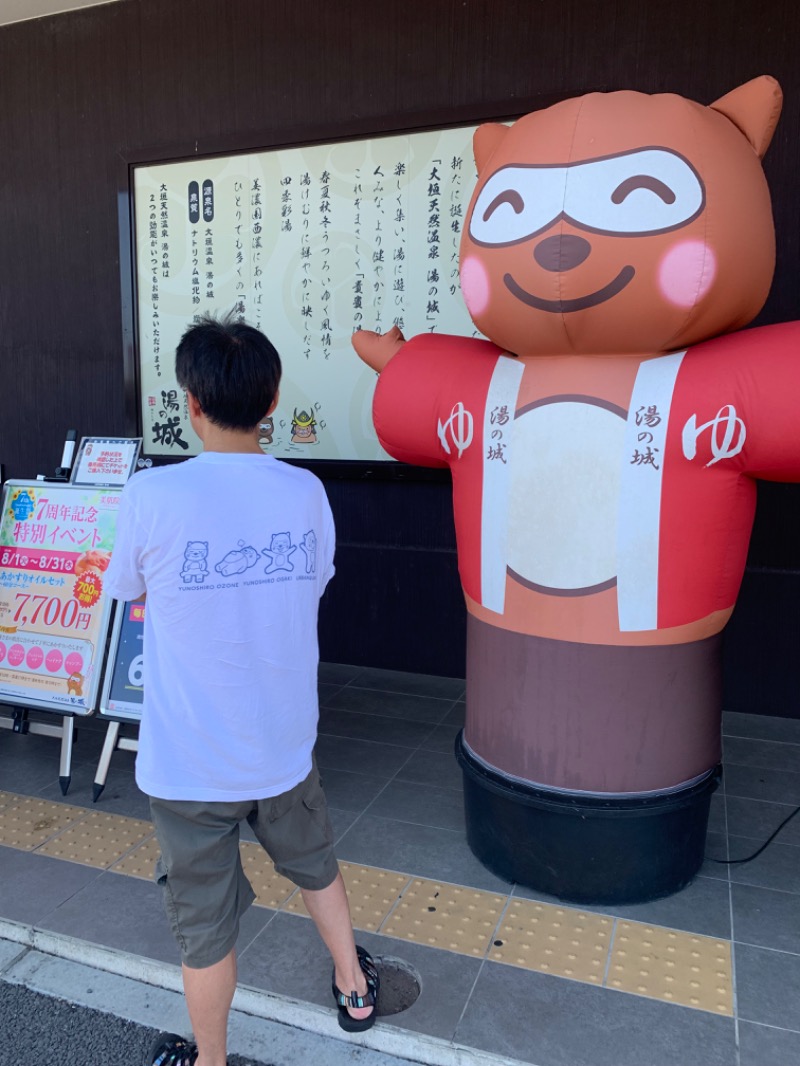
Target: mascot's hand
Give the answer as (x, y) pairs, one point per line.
(376, 349)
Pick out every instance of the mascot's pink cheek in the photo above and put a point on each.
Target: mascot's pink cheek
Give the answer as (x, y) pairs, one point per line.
(474, 285)
(687, 272)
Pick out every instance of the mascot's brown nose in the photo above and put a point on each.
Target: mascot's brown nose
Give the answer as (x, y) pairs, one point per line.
(562, 252)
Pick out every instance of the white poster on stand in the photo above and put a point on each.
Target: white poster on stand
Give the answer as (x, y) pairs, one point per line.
(56, 542)
(105, 461)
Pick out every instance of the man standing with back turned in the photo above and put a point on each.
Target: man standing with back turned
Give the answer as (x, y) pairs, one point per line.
(233, 549)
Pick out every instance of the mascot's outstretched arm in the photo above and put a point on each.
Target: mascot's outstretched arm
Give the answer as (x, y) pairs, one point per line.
(376, 349)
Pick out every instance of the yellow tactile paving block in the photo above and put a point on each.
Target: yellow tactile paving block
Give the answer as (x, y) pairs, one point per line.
(694, 971)
(553, 939)
(99, 840)
(644, 960)
(29, 822)
(141, 861)
(372, 894)
(271, 888)
(446, 916)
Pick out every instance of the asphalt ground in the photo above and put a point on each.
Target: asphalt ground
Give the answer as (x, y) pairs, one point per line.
(39, 1030)
(55, 1011)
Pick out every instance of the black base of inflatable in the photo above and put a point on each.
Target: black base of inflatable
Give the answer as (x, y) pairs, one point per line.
(583, 848)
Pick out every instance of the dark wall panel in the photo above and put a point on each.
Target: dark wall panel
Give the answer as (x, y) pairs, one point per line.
(79, 91)
(385, 601)
(761, 670)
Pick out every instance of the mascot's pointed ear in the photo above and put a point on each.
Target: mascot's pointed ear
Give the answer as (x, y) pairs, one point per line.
(485, 140)
(755, 108)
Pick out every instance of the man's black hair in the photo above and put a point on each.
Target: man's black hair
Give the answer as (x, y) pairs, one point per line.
(231, 369)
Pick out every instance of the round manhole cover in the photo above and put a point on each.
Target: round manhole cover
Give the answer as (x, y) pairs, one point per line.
(400, 985)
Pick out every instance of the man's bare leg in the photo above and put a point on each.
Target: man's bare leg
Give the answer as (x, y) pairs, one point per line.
(209, 993)
(331, 913)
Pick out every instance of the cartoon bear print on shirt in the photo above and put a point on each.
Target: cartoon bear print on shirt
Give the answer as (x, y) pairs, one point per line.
(279, 553)
(194, 562)
(309, 546)
(238, 560)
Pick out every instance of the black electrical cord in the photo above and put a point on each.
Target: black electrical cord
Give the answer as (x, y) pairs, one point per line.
(767, 842)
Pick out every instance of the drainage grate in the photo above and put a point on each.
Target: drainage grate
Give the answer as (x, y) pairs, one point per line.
(400, 985)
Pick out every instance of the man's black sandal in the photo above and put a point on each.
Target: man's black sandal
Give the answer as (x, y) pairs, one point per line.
(369, 999)
(169, 1049)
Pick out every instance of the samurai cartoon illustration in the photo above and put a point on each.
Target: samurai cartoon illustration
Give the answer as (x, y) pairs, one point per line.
(304, 428)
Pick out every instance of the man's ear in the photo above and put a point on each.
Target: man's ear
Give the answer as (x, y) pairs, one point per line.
(197, 418)
(195, 410)
(274, 404)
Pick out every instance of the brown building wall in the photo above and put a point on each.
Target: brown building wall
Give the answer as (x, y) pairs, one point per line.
(81, 90)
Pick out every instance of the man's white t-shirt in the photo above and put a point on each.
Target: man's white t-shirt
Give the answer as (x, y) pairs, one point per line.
(234, 552)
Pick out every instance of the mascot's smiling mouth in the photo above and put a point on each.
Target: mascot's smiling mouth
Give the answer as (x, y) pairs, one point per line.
(580, 303)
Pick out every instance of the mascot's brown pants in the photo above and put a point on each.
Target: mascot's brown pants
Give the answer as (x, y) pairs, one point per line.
(589, 717)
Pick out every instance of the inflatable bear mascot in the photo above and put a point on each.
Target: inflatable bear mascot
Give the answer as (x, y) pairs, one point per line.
(604, 445)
